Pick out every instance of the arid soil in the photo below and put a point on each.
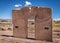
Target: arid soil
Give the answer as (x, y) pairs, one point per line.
(4, 39)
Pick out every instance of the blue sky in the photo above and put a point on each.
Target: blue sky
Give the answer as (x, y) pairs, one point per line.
(6, 7)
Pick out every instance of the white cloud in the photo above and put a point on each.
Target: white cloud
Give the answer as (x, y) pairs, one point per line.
(27, 3)
(57, 19)
(17, 5)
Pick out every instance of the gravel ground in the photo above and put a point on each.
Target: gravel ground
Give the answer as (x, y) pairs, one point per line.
(4, 39)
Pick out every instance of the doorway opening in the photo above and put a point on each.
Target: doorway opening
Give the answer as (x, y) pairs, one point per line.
(31, 29)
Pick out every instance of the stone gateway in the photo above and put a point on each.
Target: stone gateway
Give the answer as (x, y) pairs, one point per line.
(32, 23)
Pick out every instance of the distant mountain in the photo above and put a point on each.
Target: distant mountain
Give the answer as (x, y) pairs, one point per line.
(58, 19)
(5, 20)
